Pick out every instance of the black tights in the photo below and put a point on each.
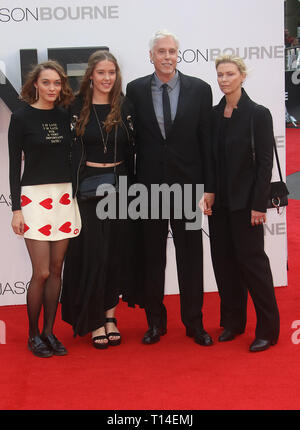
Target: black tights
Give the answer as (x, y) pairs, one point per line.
(45, 285)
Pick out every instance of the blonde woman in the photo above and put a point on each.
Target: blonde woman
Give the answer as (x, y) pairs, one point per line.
(44, 210)
(236, 221)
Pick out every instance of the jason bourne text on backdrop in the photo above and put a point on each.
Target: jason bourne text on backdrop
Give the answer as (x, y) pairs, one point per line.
(59, 13)
(191, 55)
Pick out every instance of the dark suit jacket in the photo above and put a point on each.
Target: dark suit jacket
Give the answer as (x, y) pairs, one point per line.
(185, 157)
(248, 187)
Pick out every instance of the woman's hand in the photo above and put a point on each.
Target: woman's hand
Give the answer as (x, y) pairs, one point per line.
(206, 203)
(257, 218)
(18, 222)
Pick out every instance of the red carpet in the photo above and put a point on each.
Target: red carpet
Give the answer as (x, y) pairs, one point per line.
(175, 374)
(292, 150)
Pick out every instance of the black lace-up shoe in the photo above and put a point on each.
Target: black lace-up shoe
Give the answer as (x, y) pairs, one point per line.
(54, 344)
(39, 348)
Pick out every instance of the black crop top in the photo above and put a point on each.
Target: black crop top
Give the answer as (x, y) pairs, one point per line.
(44, 137)
(93, 141)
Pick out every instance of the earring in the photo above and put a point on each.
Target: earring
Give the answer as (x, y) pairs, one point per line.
(36, 93)
(91, 83)
(59, 96)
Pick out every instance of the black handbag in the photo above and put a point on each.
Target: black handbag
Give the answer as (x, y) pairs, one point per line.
(94, 187)
(278, 193)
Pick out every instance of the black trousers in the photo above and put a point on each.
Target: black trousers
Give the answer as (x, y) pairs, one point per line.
(241, 265)
(189, 259)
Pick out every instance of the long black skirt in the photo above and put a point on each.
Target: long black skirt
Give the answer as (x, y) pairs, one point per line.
(100, 265)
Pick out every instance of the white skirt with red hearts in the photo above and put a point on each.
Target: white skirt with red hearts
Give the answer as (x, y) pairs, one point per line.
(50, 212)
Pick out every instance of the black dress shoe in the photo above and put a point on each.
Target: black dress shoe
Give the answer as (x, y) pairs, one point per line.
(54, 344)
(39, 348)
(153, 334)
(200, 336)
(261, 345)
(226, 335)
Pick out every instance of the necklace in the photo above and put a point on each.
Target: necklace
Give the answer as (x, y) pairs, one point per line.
(104, 141)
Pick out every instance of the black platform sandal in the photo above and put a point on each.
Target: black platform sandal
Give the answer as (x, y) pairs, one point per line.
(113, 342)
(100, 345)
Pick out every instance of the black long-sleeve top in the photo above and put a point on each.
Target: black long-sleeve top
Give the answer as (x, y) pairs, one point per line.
(44, 138)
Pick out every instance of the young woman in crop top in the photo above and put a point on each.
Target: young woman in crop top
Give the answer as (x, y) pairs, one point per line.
(44, 210)
(97, 262)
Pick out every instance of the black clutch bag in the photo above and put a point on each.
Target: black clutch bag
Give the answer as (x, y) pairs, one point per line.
(278, 193)
(94, 187)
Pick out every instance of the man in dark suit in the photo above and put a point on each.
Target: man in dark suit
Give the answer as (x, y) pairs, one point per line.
(173, 147)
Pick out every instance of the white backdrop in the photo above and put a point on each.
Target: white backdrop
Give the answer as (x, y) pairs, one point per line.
(254, 30)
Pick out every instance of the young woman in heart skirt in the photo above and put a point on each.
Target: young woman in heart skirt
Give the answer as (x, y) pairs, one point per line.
(98, 263)
(44, 210)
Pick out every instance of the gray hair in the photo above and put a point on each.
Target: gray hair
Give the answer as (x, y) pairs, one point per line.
(161, 34)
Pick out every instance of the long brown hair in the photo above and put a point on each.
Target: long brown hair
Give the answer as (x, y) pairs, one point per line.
(28, 92)
(86, 93)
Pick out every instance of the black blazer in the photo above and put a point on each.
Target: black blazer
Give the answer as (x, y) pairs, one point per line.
(247, 187)
(185, 157)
